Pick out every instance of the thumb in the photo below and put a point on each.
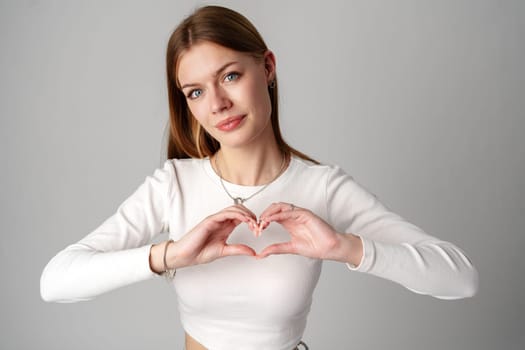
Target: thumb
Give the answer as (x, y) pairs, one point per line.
(237, 249)
(277, 248)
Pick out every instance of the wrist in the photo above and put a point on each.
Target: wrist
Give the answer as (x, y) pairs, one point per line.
(156, 254)
(350, 249)
(163, 257)
(169, 272)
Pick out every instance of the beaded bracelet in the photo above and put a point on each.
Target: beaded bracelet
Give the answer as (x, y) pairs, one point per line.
(168, 273)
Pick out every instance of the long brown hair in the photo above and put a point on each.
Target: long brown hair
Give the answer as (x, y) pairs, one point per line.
(225, 27)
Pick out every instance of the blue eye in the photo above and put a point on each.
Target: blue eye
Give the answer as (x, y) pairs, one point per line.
(194, 93)
(231, 76)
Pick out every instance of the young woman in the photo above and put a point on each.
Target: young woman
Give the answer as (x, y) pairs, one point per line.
(250, 219)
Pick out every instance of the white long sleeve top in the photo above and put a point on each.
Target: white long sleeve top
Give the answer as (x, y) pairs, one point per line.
(240, 302)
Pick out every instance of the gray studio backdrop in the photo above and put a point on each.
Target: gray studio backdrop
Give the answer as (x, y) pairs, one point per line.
(421, 101)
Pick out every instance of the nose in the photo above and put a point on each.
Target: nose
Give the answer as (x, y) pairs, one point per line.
(219, 100)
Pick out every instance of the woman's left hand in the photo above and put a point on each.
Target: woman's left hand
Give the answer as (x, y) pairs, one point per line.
(310, 235)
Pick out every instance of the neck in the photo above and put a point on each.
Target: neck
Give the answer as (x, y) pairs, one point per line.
(249, 167)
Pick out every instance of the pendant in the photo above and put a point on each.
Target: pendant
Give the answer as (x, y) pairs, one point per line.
(238, 200)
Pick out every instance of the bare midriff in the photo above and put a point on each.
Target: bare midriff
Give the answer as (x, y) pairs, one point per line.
(192, 344)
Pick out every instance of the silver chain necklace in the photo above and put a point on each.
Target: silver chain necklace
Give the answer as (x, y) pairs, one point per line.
(241, 200)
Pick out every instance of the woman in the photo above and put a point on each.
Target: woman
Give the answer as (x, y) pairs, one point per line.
(250, 219)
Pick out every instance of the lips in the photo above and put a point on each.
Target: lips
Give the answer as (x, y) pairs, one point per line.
(230, 123)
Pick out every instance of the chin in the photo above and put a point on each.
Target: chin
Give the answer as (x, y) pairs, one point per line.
(235, 145)
(244, 136)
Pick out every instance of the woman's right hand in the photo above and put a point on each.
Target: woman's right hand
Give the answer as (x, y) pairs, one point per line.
(206, 241)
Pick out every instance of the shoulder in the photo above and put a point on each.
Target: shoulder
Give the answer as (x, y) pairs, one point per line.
(175, 168)
(180, 166)
(332, 177)
(322, 170)
(175, 172)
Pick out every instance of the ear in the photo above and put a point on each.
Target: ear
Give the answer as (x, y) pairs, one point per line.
(269, 66)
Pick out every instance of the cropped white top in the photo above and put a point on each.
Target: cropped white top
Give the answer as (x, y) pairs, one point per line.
(240, 302)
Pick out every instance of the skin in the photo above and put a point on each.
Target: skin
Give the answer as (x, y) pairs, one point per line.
(228, 84)
(221, 84)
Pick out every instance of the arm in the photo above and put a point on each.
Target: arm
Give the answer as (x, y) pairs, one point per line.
(116, 253)
(395, 249)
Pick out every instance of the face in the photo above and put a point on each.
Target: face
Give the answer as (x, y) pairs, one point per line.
(227, 92)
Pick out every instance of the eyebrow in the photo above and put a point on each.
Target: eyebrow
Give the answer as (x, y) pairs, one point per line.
(223, 67)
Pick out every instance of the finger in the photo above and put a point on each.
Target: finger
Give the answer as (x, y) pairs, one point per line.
(272, 209)
(241, 209)
(224, 220)
(231, 214)
(237, 249)
(283, 216)
(277, 208)
(277, 248)
(259, 227)
(245, 210)
(252, 226)
(263, 225)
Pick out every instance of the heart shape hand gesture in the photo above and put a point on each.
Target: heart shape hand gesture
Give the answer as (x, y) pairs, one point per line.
(310, 236)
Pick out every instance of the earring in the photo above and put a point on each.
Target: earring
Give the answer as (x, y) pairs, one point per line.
(272, 84)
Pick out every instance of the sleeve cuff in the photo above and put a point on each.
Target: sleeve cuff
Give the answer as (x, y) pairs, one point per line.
(142, 270)
(367, 259)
